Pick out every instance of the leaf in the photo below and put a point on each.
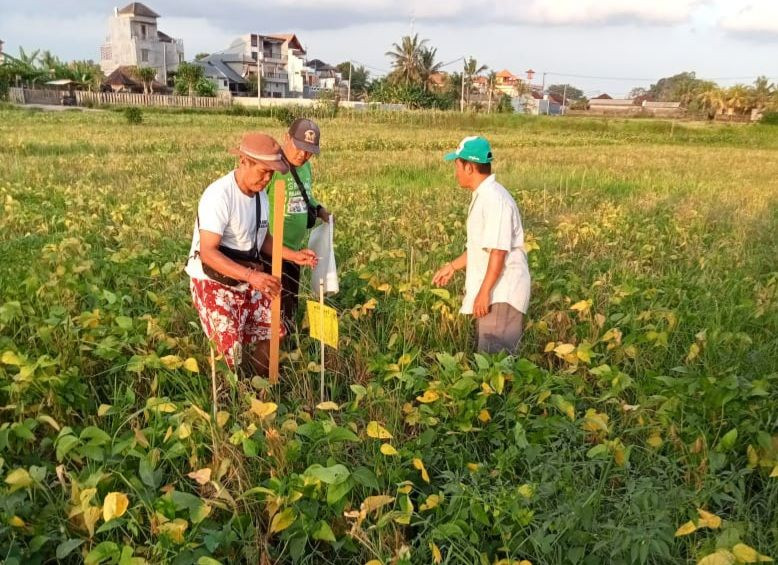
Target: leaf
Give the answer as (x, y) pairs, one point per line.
(222, 417)
(727, 442)
(377, 431)
(419, 464)
(484, 416)
(16, 522)
(327, 406)
(526, 491)
(102, 552)
(721, 557)
(115, 505)
(333, 475)
(91, 515)
(66, 547)
(564, 406)
(428, 396)
(49, 420)
(747, 554)
(103, 409)
(201, 476)
(686, 529)
(11, 358)
(708, 520)
(171, 362)
(283, 520)
(205, 560)
(18, 479)
(263, 409)
(387, 449)
(564, 349)
(191, 365)
(372, 503)
(437, 557)
(175, 529)
(323, 532)
(774, 472)
(655, 440)
(582, 306)
(441, 293)
(432, 502)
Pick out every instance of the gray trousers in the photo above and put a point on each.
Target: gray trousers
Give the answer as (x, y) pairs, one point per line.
(501, 329)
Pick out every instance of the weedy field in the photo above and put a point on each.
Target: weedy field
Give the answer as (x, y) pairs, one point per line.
(640, 426)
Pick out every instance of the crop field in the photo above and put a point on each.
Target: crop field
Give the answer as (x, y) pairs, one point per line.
(640, 424)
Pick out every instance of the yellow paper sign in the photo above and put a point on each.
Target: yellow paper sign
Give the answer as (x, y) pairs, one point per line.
(323, 322)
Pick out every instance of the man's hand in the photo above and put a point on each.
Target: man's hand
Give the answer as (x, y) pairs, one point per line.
(481, 305)
(444, 274)
(264, 283)
(325, 216)
(305, 257)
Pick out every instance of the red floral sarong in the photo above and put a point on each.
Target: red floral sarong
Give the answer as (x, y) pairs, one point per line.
(231, 318)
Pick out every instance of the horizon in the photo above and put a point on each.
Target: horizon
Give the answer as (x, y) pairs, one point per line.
(599, 46)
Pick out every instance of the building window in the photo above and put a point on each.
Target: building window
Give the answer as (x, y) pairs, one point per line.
(180, 57)
(143, 31)
(253, 40)
(144, 55)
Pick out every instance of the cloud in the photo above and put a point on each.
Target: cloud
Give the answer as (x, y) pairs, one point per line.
(756, 20)
(599, 12)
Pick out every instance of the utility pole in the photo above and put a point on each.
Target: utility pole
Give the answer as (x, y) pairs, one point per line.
(543, 92)
(564, 100)
(349, 81)
(462, 99)
(259, 76)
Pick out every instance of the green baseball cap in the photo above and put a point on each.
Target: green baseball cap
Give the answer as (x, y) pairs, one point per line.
(472, 148)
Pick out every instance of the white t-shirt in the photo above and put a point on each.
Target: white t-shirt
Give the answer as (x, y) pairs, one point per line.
(225, 210)
(494, 222)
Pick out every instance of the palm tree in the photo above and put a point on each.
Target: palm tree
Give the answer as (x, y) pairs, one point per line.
(737, 98)
(428, 66)
(406, 59)
(28, 59)
(761, 93)
(146, 75)
(712, 100)
(471, 69)
(492, 81)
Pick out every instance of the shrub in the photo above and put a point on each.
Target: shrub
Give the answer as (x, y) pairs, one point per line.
(133, 115)
(770, 118)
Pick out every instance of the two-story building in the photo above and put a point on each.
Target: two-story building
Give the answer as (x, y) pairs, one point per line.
(135, 40)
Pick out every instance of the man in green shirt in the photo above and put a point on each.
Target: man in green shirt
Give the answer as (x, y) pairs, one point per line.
(299, 144)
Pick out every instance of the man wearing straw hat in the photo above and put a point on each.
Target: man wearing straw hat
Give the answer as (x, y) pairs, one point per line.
(497, 280)
(230, 291)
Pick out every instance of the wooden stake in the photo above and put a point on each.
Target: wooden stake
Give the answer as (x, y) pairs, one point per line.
(321, 333)
(279, 202)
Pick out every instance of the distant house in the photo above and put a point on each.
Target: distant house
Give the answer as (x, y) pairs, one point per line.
(2, 54)
(278, 58)
(122, 79)
(135, 41)
(663, 109)
(603, 96)
(325, 77)
(622, 106)
(508, 83)
(536, 103)
(228, 71)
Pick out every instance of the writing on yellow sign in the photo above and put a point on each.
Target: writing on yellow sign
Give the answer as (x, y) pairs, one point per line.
(323, 322)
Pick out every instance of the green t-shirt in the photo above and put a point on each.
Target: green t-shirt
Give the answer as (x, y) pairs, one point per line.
(296, 217)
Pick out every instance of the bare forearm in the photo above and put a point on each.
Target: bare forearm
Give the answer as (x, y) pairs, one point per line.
(460, 262)
(494, 269)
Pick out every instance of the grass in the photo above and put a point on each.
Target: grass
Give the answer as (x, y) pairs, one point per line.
(647, 389)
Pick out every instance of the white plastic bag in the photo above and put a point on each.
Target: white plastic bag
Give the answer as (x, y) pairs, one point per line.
(326, 271)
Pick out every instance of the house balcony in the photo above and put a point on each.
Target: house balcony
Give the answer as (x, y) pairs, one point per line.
(275, 77)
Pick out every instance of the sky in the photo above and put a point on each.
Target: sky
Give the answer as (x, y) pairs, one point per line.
(598, 45)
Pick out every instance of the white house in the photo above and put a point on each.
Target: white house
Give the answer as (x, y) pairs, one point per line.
(134, 40)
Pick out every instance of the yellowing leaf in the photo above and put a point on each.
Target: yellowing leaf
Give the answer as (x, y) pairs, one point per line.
(405, 487)
(16, 522)
(564, 349)
(91, 515)
(171, 361)
(686, 529)
(372, 503)
(175, 529)
(191, 365)
(184, 431)
(11, 358)
(582, 306)
(103, 409)
(655, 440)
(721, 557)
(484, 416)
(473, 467)
(708, 520)
(263, 409)
(774, 472)
(201, 476)
(48, 420)
(436, 555)
(18, 479)
(428, 396)
(419, 464)
(283, 520)
(329, 405)
(432, 501)
(222, 417)
(526, 491)
(115, 505)
(595, 421)
(374, 562)
(746, 554)
(694, 352)
(387, 449)
(377, 431)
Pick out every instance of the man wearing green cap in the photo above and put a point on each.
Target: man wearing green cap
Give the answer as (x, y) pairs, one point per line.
(301, 208)
(497, 279)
